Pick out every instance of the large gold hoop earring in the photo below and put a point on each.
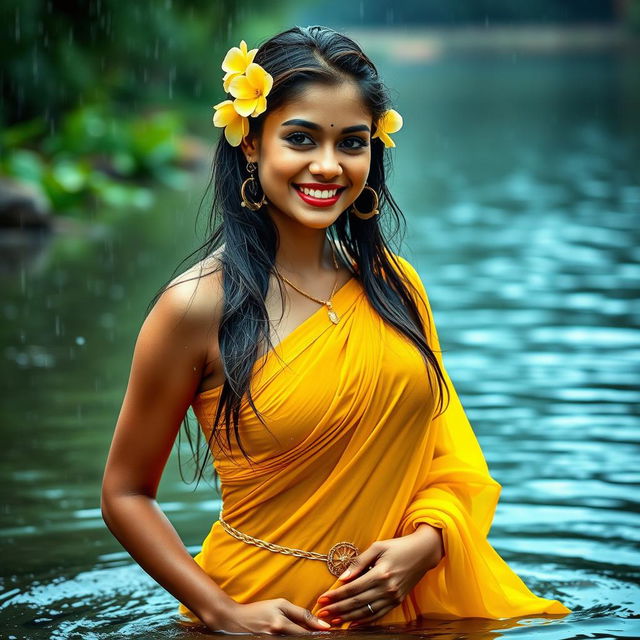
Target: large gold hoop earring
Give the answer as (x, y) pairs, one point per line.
(369, 214)
(254, 206)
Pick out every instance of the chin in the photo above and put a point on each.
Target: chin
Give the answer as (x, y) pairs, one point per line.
(319, 219)
(322, 221)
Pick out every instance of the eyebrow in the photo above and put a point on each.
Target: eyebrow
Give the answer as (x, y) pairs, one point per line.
(312, 125)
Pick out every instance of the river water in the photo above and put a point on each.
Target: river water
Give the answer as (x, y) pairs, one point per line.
(519, 180)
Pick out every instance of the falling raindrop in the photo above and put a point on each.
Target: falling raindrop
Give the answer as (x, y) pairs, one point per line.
(172, 77)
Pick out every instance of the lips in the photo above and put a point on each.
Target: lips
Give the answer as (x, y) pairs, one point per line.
(319, 202)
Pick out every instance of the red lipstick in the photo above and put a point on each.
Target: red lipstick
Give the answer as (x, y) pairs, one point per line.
(320, 202)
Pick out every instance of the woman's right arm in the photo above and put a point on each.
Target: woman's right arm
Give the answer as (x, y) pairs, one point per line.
(167, 366)
(168, 363)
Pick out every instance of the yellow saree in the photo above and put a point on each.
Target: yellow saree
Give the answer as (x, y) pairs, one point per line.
(353, 453)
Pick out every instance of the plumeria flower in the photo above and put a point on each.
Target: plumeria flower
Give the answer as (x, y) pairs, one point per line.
(235, 126)
(250, 90)
(236, 62)
(389, 122)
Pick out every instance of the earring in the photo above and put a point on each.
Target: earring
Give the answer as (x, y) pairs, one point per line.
(369, 214)
(254, 206)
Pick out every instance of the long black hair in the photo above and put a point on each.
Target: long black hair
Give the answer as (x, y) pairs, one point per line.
(249, 239)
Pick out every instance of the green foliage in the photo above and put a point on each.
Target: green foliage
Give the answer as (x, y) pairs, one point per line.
(60, 54)
(95, 154)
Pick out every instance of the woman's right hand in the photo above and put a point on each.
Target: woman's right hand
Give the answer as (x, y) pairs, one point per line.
(275, 617)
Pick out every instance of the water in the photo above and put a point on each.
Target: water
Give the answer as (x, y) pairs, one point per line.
(519, 180)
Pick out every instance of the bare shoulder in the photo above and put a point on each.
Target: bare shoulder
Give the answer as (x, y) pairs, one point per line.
(193, 299)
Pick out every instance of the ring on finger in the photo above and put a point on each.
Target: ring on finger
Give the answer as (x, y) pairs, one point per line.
(365, 613)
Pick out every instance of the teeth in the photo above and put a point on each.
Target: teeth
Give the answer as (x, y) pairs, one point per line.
(316, 193)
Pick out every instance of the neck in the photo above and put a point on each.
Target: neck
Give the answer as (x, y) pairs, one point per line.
(302, 251)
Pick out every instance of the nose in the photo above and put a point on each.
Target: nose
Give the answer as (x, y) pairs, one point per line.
(325, 163)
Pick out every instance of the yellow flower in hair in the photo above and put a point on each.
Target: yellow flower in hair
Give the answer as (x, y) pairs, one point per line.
(389, 122)
(235, 126)
(250, 90)
(236, 62)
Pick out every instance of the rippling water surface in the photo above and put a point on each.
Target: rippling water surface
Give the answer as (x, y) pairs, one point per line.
(520, 184)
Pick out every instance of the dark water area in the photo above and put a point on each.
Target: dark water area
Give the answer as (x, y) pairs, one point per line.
(519, 179)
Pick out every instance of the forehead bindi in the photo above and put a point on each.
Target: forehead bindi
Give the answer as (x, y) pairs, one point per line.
(315, 126)
(317, 107)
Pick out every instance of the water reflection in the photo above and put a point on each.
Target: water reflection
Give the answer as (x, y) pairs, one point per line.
(522, 211)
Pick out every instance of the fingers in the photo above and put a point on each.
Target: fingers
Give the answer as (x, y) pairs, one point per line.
(366, 581)
(285, 626)
(379, 608)
(372, 580)
(355, 608)
(303, 616)
(362, 561)
(288, 628)
(380, 611)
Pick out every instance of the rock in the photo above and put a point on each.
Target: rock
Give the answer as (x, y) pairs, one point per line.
(22, 205)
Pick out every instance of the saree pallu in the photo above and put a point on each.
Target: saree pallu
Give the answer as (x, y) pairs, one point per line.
(354, 452)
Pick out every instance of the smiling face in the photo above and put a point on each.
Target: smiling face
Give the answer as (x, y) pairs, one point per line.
(318, 144)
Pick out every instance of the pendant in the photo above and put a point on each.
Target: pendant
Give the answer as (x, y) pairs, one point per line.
(333, 316)
(340, 556)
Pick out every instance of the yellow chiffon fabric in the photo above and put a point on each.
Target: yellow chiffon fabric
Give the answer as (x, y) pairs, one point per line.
(353, 453)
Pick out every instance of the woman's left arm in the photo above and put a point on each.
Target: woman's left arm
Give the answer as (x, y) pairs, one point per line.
(400, 564)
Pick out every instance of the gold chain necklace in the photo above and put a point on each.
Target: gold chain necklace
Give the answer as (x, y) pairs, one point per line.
(333, 316)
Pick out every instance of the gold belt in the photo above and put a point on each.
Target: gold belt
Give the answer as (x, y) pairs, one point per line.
(338, 558)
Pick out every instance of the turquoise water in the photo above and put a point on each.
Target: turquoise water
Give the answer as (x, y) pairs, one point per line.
(520, 184)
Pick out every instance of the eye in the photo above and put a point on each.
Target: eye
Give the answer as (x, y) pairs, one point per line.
(361, 144)
(297, 138)
(297, 135)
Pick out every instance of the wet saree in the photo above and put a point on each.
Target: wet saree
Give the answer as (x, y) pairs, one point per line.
(354, 453)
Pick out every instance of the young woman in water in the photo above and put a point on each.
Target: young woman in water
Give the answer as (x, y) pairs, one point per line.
(354, 490)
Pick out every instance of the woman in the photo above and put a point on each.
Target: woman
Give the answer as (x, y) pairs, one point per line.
(354, 490)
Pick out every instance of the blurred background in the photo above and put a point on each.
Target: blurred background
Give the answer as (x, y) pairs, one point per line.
(518, 171)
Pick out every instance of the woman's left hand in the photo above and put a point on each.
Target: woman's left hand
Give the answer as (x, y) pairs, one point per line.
(395, 567)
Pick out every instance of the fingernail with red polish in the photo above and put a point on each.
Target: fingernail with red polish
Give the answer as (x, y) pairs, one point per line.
(323, 600)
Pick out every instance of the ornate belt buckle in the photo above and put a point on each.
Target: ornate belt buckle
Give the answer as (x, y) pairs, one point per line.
(340, 556)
